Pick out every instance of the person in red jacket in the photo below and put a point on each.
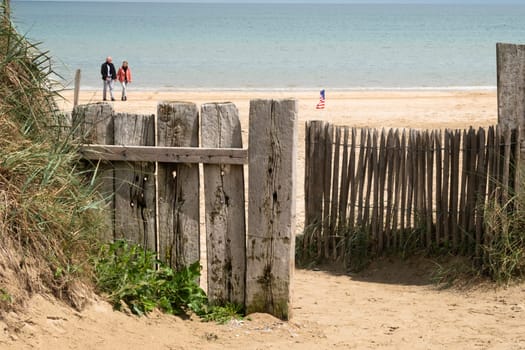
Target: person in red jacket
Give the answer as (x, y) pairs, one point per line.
(124, 76)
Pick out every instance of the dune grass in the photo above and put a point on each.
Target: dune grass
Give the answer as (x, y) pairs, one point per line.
(48, 214)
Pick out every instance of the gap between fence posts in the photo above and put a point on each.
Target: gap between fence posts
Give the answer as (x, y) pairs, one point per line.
(271, 209)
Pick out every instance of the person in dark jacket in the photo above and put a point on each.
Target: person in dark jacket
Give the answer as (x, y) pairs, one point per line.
(109, 75)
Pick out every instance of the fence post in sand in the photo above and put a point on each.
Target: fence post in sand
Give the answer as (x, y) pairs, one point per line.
(224, 206)
(271, 208)
(77, 88)
(178, 186)
(135, 210)
(93, 124)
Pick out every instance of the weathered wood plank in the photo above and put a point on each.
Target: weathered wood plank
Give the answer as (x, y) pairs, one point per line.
(334, 210)
(319, 184)
(481, 190)
(511, 85)
(430, 180)
(354, 178)
(472, 188)
(327, 233)
(361, 176)
(224, 207)
(348, 182)
(438, 136)
(517, 161)
(498, 168)
(390, 215)
(165, 154)
(404, 187)
(345, 178)
(93, 123)
(375, 175)
(420, 187)
(271, 210)
(308, 146)
(507, 135)
(77, 88)
(463, 202)
(382, 162)
(488, 232)
(178, 186)
(410, 179)
(315, 193)
(454, 185)
(135, 209)
(445, 192)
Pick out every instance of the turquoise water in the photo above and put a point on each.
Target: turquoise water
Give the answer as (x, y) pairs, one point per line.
(272, 46)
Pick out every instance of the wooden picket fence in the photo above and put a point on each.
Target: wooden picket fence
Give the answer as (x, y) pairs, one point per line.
(147, 169)
(398, 188)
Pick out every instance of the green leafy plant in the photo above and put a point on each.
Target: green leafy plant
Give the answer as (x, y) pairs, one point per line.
(132, 276)
(223, 314)
(5, 297)
(127, 273)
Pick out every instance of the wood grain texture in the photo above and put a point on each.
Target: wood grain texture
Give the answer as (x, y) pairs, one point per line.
(178, 186)
(135, 209)
(271, 209)
(511, 85)
(93, 124)
(224, 207)
(165, 154)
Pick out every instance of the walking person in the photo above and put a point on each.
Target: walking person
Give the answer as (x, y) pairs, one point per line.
(124, 76)
(109, 75)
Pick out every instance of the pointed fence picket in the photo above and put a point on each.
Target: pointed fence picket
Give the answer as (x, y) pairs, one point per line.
(396, 188)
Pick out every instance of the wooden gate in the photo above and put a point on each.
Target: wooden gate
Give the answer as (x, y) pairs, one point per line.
(147, 168)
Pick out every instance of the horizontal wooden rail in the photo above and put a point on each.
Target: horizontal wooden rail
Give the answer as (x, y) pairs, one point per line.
(165, 154)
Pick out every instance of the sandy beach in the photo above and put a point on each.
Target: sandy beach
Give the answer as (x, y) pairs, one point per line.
(408, 108)
(392, 305)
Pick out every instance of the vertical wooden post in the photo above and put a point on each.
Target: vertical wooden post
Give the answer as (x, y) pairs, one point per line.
(224, 199)
(178, 186)
(135, 183)
(77, 88)
(329, 135)
(335, 194)
(511, 99)
(7, 10)
(93, 124)
(271, 209)
(511, 85)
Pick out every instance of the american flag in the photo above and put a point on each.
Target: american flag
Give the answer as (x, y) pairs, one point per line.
(320, 105)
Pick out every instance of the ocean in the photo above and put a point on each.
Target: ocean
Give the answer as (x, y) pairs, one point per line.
(275, 46)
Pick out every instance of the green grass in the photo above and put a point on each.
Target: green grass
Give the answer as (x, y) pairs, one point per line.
(503, 253)
(49, 217)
